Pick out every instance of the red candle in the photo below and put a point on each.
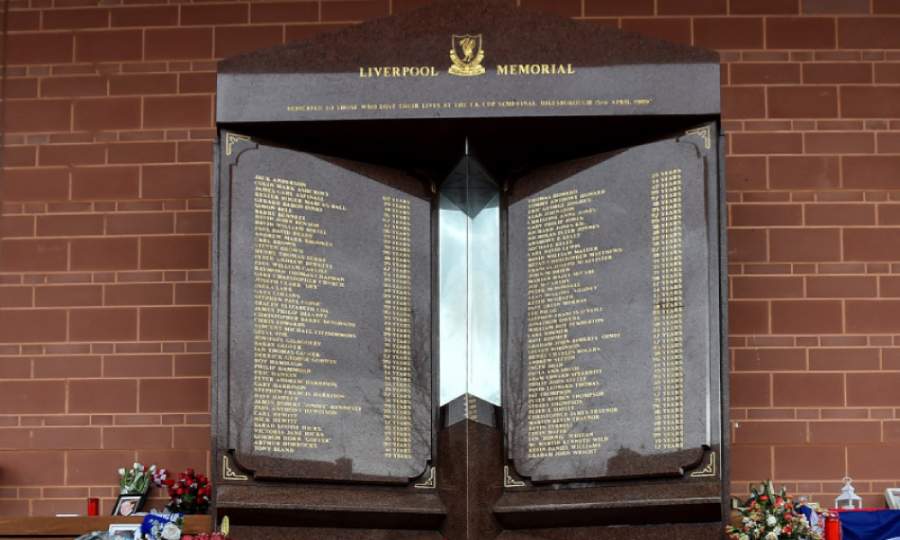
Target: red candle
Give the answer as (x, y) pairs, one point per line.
(93, 506)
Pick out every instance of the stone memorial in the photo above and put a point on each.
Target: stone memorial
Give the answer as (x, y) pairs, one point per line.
(469, 283)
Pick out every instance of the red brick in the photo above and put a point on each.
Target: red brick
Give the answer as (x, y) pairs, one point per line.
(197, 83)
(809, 462)
(177, 111)
(68, 295)
(870, 102)
(804, 245)
(833, 359)
(802, 102)
(304, 32)
(359, 10)
(175, 181)
(192, 365)
(127, 438)
(765, 73)
(840, 143)
(747, 245)
(21, 88)
(214, 14)
(748, 317)
(13, 226)
(130, 294)
(840, 286)
(873, 316)
(33, 468)
(806, 317)
(70, 225)
(840, 214)
(60, 19)
(104, 254)
(231, 40)
(770, 433)
(137, 84)
(835, 6)
(34, 185)
(174, 323)
(96, 467)
(68, 367)
(767, 287)
(892, 432)
(887, 73)
(105, 183)
(886, 6)
(144, 16)
(871, 172)
(800, 33)
(281, 12)
(38, 115)
(103, 396)
(769, 359)
(15, 297)
(890, 286)
(192, 293)
(869, 32)
(108, 113)
(108, 45)
(728, 33)
(39, 48)
(32, 397)
(746, 173)
(750, 463)
(767, 143)
(743, 102)
(834, 73)
(139, 223)
(72, 154)
(763, 7)
(111, 324)
(804, 172)
(677, 30)
(144, 365)
(192, 437)
(871, 244)
(33, 255)
(20, 156)
(142, 152)
(873, 462)
(193, 222)
(174, 395)
(750, 390)
(889, 143)
(90, 85)
(176, 460)
(691, 7)
(750, 215)
(171, 252)
(808, 389)
(179, 43)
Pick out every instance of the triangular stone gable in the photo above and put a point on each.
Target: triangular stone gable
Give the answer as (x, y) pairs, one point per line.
(511, 35)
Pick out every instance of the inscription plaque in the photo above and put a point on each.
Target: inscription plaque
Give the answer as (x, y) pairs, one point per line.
(332, 344)
(608, 364)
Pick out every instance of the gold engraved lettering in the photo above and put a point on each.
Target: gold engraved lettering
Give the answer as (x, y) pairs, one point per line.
(290, 257)
(562, 394)
(667, 245)
(397, 354)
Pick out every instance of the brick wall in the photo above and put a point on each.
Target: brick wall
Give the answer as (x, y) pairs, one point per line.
(104, 260)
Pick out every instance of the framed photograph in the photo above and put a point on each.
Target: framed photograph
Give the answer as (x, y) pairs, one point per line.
(892, 496)
(128, 505)
(125, 531)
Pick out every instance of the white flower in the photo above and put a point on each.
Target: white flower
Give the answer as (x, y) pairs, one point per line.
(137, 466)
(771, 520)
(171, 532)
(122, 471)
(771, 536)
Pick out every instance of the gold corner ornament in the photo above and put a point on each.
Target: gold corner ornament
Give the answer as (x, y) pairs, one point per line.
(704, 133)
(231, 139)
(509, 481)
(431, 481)
(228, 473)
(466, 53)
(709, 470)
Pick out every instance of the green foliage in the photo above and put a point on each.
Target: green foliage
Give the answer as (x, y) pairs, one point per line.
(769, 515)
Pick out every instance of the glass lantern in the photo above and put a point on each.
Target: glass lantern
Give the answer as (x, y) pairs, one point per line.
(848, 499)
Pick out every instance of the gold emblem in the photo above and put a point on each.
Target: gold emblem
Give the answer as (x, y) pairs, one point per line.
(466, 54)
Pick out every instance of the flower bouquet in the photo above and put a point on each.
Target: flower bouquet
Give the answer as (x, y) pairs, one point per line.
(189, 493)
(136, 480)
(768, 515)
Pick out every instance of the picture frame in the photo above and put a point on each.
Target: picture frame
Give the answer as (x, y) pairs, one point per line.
(126, 531)
(892, 497)
(129, 505)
